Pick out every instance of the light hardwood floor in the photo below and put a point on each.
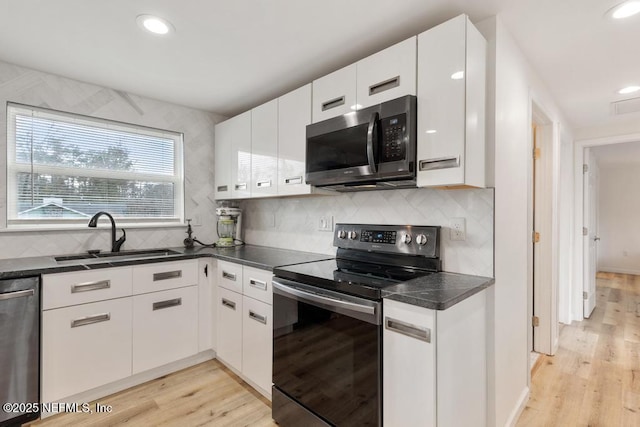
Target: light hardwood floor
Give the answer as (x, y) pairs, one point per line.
(205, 394)
(594, 378)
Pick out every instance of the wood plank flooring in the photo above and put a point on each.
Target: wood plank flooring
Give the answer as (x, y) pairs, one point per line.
(594, 379)
(206, 394)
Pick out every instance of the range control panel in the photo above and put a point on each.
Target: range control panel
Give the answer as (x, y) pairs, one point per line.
(398, 239)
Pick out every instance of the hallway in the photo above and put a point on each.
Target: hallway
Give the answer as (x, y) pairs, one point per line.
(594, 379)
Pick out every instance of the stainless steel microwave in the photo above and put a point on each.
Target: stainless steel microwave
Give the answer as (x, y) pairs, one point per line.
(368, 149)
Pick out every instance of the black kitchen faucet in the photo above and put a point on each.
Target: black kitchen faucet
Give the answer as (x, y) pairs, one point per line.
(115, 244)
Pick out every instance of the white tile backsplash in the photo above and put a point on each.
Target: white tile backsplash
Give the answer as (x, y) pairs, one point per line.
(26, 86)
(296, 221)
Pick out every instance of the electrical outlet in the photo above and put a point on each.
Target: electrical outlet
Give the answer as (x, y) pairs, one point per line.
(325, 223)
(197, 221)
(458, 229)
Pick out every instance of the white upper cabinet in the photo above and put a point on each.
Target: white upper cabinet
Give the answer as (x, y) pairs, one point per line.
(264, 149)
(294, 114)
(451, 102)
(334, 94)
(241, 156)
(387, 75)
(222, 172)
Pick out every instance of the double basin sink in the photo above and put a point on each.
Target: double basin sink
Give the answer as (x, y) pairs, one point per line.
(97, 257)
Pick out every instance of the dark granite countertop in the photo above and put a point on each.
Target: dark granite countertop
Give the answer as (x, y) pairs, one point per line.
(254, 256)
(437, 291)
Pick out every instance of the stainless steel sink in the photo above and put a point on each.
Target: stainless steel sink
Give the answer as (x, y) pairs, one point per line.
(113, 256)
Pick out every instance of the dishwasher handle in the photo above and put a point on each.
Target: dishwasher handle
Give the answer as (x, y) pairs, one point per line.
(17, 294)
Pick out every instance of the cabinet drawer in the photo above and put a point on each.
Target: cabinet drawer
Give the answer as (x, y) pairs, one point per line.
(85, 346)
(230, 276)
(165, 275)
(257, 324)
(257, 284)
(165, 327)
(229, 327)
(80, 287)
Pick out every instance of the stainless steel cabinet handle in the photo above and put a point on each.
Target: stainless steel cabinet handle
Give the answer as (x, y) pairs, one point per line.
(17, 294)
(223, 188)
(384, 85)
(166, 304)
(90, 286)
(440, 163)
(260, 284)
(413, 331)
(266, 183)
(332, 103)
(241, 186)
(293, 180)
(227, 303)
(167, 275)
(230, 276)
(258, 317)
(97, 318)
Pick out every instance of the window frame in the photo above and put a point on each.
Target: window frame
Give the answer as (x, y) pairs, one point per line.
(13, 168)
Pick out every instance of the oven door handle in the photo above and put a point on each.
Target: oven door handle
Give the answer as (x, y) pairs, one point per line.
(322, 299)
(371, 133)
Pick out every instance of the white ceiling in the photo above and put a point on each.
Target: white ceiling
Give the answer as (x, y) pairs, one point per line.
(228, 56)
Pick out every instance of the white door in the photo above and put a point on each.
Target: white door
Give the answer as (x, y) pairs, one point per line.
(591, 238)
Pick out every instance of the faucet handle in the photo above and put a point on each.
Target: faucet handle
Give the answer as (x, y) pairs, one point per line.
(118, 243)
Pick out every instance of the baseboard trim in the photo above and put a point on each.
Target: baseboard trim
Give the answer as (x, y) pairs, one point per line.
(619, 270)
(517, 411)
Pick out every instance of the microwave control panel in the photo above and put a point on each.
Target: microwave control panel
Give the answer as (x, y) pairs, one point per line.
(394, 132)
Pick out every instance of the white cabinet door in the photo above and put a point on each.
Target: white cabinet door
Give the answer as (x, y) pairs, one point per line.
(206, 296)
(229, 276)
(229, 308)
(451, 93)
(257, 342)
(294, 114)
(387, 75)
(222, 167)
(241, 156)
(334, 94)
(85, 346)
(165, 327)
(409, 365)
(264, 149)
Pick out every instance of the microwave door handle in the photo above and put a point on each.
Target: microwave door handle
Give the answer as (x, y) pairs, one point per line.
(371, 134)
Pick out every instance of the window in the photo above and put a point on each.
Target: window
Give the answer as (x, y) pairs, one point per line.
(63, 168)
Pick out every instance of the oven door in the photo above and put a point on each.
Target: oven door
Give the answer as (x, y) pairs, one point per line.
(326, 357)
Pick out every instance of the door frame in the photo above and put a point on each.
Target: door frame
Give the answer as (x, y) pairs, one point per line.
(577, 306)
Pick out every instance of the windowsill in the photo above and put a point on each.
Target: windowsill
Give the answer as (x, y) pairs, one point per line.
(85, 228)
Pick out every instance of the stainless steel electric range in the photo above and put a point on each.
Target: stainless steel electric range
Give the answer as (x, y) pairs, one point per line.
(327, 326)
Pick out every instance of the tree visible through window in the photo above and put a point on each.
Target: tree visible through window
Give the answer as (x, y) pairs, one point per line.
(65, 167)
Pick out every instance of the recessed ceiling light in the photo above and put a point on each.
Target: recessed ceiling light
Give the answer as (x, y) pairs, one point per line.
(625, 10)
(154, 24)
(629, 89)
(457, 75)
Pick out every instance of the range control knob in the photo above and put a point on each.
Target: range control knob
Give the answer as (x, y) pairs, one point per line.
(406, 239)
(421, 239)
(352, 235)
(342, 234)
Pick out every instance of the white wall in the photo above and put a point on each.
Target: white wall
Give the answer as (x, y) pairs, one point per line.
(618, 225)
(26, 86)
(292, 223)
(513, 87)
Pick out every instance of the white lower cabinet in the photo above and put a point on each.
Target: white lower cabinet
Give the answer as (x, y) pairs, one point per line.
(229, 325)
(165, 327)
(257, 343)
(85, 346)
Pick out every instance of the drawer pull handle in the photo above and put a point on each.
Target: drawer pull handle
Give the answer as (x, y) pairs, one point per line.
(266, 183)
(167, 275)
(293, 180)
(230, 304)
(223, 188)
(230, 276)
(385, 85)
(166, 304)
(17, 294)
(258, 317)
(83, 321)
(413, 331)
(441, 163)
(90, 286)
(332, 103)
(260, 284)
(241, 186)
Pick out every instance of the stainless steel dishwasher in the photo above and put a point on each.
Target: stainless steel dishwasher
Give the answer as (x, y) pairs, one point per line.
(19, 350)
